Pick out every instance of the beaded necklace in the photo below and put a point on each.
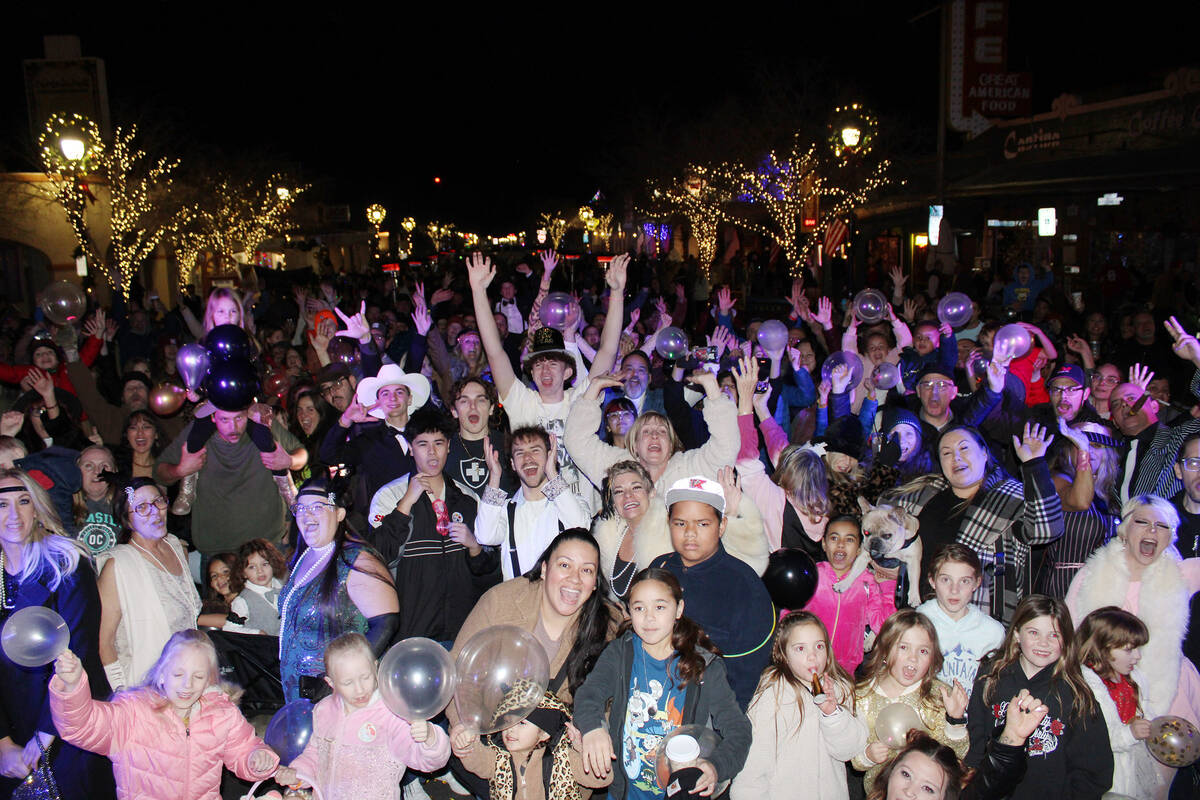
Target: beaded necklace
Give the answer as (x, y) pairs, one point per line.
(322, 553)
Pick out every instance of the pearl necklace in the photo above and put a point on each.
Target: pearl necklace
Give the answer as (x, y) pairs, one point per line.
(322, 553)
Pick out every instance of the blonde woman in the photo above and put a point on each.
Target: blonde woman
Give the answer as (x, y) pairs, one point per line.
(41, 566)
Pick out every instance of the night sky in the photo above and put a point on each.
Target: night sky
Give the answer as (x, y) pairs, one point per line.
(519, 114)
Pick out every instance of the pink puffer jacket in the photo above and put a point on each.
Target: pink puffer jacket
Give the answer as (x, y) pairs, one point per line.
(363, 754)
(154, 756)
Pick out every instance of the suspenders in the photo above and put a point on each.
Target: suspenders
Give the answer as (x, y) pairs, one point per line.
(512, 538)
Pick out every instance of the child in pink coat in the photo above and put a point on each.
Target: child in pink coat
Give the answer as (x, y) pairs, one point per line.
(359, 748)
(867, 601)
(169, 737)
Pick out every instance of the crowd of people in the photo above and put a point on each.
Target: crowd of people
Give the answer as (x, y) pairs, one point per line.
(428, 458)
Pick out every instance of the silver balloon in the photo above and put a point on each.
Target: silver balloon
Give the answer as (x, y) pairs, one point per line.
(502, 675)
(870, 306)
(34, 636)
(894, 722)
(773, 335)
(1012, 339)
(63, 302)
(193, 362)
(671, 343)
(416, 678)
(885, 375)
(840, 358)
(289, 730)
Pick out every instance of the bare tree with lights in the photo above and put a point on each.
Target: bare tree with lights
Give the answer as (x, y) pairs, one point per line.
(142, 204)
(233, 216)
(702, 197)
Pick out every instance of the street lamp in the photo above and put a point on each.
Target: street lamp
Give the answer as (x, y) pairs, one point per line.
(72, 148)
(851, 136)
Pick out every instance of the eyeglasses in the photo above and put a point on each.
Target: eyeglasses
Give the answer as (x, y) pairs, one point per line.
(1069, 391)
(298, 510)
(1190, 464)
(1107, 380)
(614, 416)
(329, 388)
(1146, 524)
(931, 385)
(143, 509)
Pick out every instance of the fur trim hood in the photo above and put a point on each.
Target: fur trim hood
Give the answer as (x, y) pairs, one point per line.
(1104, 581)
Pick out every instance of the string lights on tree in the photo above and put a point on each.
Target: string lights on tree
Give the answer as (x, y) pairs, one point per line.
(142, 205)
(702, 197)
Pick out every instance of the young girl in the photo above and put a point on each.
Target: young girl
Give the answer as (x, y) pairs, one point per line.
(965, 633)
(802, 718)
(1110, 647)
(529, 760)
(661, 674)
(219, 595)
(168, 737)
(358, 747)
(257, 587)
(1069, 751)
(902, 669)
(867, 602)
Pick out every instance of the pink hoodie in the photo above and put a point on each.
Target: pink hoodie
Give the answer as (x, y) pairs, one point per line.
(847, 615)
(364, 753)
(154, 756)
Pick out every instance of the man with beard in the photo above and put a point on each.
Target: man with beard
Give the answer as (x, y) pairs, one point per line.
(1147, 464)
(1069, 394)
(635, 368)
(472, 401)
(524, 524)
(938, 404)
(337, 384)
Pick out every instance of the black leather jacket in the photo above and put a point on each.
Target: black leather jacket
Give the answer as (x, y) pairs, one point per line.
(1002, 768)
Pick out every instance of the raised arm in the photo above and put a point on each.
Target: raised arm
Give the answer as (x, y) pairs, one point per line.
(610, 337)
(1042, 516)
(590, 454)
(480, 272)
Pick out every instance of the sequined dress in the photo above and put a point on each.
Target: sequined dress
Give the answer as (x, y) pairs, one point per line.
(304, 631)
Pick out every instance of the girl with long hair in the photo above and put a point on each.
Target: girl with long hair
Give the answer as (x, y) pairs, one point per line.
(1040, 654)
(802, 717)
(661, 672)
(903, 668)
(1110, 647)
(170, 735)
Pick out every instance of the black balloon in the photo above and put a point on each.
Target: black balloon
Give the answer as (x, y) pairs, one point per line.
(228, 343)
(791, 578)
(231, 385)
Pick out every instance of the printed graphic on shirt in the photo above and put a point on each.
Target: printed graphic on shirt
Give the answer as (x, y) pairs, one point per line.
(98, 532)
(648, 718)
(473, 472)
(960, 663)
(1044, 740)
(367, 732)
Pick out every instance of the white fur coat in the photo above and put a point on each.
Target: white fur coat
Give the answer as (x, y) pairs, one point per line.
(1162, 605)
(1135, 773)
(744, 539)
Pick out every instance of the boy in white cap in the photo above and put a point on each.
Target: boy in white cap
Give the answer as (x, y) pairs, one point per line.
(724, 595)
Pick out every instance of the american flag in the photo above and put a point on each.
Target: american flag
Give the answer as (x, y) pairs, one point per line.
(836, 234)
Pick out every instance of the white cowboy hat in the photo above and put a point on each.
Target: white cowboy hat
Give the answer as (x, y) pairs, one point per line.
(391, 375)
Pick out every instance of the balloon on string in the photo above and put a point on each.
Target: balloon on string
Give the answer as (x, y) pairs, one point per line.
(344, 350)
(870, 305)
(955, 309)
(228, 343)
(231, 385)
(502, 674)
(839, 358)
(1012, 339)
(885, 375)
(791, 578)
(558, 311)
(977, 363)
(893, 724)
(192, 362)
(290, 729)
(34, 636)
(773, 335)
(63, 302)
(1174, 741)
(671, 343)
(416, 678)
(167, 398)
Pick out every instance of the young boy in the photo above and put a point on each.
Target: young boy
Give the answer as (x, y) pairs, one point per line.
(725, 596)
(531, 759)
(423, 526)
(965, 633)
(867, 602)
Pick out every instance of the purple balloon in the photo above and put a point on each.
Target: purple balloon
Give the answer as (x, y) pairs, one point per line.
(558, 311)
(839, 358)
(1013, 340)
(870, 306)
(289, 730)
(885, 375)
(671, 343)
(773, 335)
(344, 350)
(955, 309)
(192, 362)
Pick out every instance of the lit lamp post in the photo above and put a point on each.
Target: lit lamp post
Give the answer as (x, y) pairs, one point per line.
(852, 130)
(376, 215)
